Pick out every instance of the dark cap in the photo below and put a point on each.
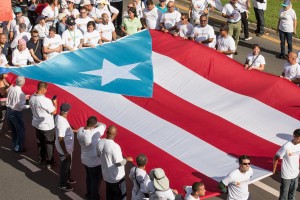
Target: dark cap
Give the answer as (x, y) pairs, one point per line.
(70, 21)
(65, 107)
(41, 17)
(286, 3)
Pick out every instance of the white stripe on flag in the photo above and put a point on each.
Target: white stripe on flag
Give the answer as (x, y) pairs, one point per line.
(174, 140)
(243, 111)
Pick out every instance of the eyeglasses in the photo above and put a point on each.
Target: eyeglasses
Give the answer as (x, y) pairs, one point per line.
(182, 18)
(246, 163)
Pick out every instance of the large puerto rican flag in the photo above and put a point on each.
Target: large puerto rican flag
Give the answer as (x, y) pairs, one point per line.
(197, 110)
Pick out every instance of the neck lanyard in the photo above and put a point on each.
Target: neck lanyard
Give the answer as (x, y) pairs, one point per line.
(73, 37)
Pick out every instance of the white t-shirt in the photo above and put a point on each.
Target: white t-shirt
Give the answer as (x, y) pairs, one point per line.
(3, 60)
(291, 71)
(152, 17)
(203, 33)
(198, 7)
(188, 195)
(21, 57)
(139, 176)
(15, 28)
(52, 43)
(43, 30)
(258, 5)
(289, 153)
(95, 13)
(237, 183)
(113, 10)
(106, 30)
(243, 4)
(110, 153)
(229, 10)
(73, 13)
(63, 130)
(72, 38)
(49, 13)
(24, 35)
(41, 108)
(185, 30)
(88, 140)
(287, 18)
(298, 57)
(225, 44)
(257, 60)
(140, 6)
(92, 38)
(170, 19)
(82, 23)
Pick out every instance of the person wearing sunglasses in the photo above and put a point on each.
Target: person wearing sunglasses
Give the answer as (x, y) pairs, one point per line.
(184, 27)
(35, 46)
(237, 181)
(289, 153)
(204, 33)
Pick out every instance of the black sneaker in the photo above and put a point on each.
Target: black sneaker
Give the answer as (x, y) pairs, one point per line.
(65, 187)
(71, 181)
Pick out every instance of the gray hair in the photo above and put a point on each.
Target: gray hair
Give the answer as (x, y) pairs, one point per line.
(20, 80)
(141, 160)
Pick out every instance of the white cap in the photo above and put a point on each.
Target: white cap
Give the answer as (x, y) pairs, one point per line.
(86, 2)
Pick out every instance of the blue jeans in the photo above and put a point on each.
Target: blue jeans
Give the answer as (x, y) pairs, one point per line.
(93, 180)
(289, 38)
(288, 189)
(15, 120)
(65, 169)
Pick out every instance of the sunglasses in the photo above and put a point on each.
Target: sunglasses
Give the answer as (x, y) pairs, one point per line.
(246, 163)
(182, 18)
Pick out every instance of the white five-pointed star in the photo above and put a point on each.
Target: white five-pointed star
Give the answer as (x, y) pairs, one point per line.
(111, 72)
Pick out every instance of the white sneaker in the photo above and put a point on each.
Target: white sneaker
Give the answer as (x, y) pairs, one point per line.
(248, 38)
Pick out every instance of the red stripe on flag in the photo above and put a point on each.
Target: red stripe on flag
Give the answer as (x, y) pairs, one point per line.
(178, 172)
(276, 92)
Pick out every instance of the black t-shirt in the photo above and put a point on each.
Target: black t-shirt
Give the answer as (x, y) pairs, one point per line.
(38, 50)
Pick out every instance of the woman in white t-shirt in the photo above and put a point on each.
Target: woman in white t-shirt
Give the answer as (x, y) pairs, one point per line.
(91, 37)
(255, 60)
(51, 13)
(286, 27)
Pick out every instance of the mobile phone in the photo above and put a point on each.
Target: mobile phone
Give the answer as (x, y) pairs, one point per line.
(54, 97)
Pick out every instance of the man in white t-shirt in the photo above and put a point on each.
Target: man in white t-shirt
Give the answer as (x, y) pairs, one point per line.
(112, 164)
(259, 9)
(43, 110)
(82, 20)
(169, 19)
(184, 28)
(238, 180)
(64, 143)
(289, 153)
(255, 60)
(22, 35)
(291, 69)
(231, 11)
(195, 191)
(88, 138)
(225, 43)
(52, 43)
(204, 33)
(151, 16)
(140, 178)
(198, 8)
(72, 38)
(106, 29)
(14, 25)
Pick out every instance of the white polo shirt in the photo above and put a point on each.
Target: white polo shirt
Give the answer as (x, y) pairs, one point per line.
(291, 71)
(237, 183)
(225, 44)
(203, 33)
(88, 140)
(110, 153)
(229, 10)
(64, 130)
(170, 19)
(92, 38)
(72, 38)
(41, 108)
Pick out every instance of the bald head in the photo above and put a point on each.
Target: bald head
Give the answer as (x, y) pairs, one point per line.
(171, 6)
(292, 58)
(111, 132)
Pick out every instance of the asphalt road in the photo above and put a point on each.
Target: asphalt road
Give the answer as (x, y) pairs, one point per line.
(22, 178)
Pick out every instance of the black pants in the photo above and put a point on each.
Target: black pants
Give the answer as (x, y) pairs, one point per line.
(119, 6)
(45, 143)
(65, 169)
(116, 191)
(245, 24)
(259, 15)
(93, 180)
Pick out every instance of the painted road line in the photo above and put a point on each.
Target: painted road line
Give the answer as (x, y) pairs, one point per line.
(221, 21)
(267, 188)
(29, 165)
(29, 159)
(8, 149)
(73, 196)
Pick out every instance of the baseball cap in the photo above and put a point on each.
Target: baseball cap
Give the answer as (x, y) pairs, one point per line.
(85, 2)
(41, 17)
(17, 10)
(65, 107)
(61, 16)
(102, 2)
(286, 3)
(70, 21)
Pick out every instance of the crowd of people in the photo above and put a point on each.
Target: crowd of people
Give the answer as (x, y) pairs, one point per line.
(50, 27)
